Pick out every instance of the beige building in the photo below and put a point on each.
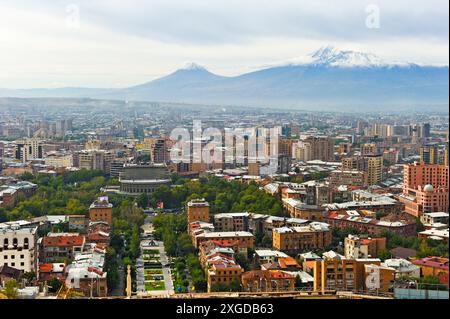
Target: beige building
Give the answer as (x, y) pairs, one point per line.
(18, 245)
(371, 165)
(93, 159)
(322, 148)
(359, 247)
(59, 160)
(298, 239)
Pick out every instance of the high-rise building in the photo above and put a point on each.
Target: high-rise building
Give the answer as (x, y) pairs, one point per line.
(158, 149)
(429, 154)
(302, 151)
(322, 148)
(369, 149)
(29, 149)
(426, 130)
(92, 159)
(374, 169)
(391, 156)
(371, 165)
(425, 188)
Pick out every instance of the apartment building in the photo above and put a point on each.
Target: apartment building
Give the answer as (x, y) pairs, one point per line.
(18, 245)
(367, 225)
(57, 247)
(223, 275)
(363, 247)
(244, 239)
(425, 188)
(267, 281)
(337, 273)
(58, 160)
(198, 210)
(231, 222)
(321, 148)
(101, 210)
(92, 159)
(298, 239)
(370, 164)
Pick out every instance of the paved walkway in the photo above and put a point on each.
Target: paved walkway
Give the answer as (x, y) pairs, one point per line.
(166, 270)
(140, 271)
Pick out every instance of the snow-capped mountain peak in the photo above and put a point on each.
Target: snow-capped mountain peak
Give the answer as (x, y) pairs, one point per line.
(345, 58)
(191, 66)
(330, 56)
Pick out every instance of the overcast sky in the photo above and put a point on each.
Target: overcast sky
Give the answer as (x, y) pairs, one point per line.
(112, 43)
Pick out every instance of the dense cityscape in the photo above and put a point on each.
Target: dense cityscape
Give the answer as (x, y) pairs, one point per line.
(93, 203)
(215, 159)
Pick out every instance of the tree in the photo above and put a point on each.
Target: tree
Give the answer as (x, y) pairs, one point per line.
(29, 276)
(27, 176)
(143, 200)
(135, 247)
(11, 289)
(384, 254)
(266, 241)
(298, 281)
(242, 260)
(54, 284)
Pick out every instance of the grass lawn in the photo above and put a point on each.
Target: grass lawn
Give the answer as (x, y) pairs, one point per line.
(154, 277)
(155, 285)
(151, 251)
(157, 271)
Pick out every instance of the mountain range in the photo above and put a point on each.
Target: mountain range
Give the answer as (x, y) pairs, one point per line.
(327, 79)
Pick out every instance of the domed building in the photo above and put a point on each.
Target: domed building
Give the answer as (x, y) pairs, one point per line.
(425, 188)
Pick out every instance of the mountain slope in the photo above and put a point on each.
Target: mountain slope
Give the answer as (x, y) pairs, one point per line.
(328, 78)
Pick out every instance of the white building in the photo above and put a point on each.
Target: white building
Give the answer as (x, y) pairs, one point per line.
(403, 268)
(18, 245)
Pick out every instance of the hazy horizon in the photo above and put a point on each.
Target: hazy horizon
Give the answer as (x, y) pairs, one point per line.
(113, 44)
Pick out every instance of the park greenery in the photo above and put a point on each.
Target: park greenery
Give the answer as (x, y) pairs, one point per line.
(73, 193)
(223, 196)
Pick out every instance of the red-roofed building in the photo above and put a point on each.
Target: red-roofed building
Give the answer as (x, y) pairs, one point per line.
(59, 247)
(434, 266)
(267, 280)
(288, 264)
(48, 271)
(99, 233)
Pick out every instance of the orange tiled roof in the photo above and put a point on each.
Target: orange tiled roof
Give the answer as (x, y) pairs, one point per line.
(45, 267)
(63, 241)
(286, 262)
